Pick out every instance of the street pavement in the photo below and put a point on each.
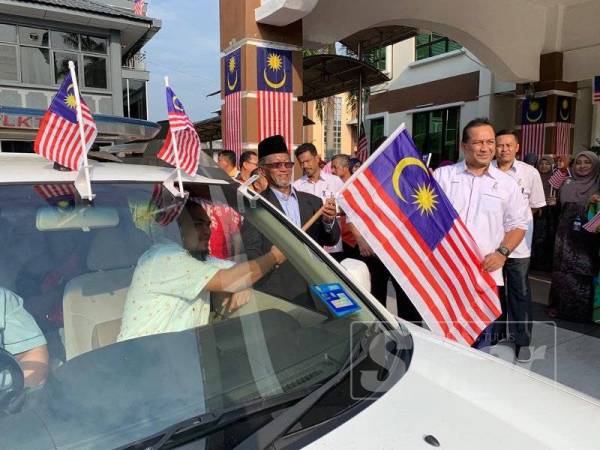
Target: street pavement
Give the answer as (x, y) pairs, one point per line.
(564, 351)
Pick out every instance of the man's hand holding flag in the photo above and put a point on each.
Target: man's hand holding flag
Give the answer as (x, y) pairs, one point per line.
(408, 221)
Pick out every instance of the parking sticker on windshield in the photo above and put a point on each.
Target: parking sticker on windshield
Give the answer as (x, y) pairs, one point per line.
(336, 298)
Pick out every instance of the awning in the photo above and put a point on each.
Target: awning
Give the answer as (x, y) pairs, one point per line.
(378, 37)
(327, 75)
(209, 129)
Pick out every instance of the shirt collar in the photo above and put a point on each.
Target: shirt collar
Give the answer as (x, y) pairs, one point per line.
(492, 171)
(305, 179)
(513, 168)
(281, 196)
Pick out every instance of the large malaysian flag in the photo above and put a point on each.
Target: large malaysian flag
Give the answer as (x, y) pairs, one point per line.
(182, 131)
(59, 138)
(410, 224)
(275, 94)
(232, 109)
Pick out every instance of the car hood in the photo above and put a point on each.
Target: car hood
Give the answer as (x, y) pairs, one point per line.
(468, 399)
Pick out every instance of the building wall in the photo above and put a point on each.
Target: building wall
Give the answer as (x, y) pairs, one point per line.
(103, 101)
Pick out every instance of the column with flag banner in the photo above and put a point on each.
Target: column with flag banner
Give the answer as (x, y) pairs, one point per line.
(410, 224)
(59, 138)
(275, 94)
(181, 148)
(563, 125)
(362, 147)
(533, 133)
(232, 109)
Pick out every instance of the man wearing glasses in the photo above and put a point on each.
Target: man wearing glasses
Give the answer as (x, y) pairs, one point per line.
(489, 203)
(248, 163)
(276, 165)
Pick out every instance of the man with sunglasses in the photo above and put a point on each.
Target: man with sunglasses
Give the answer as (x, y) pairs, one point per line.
(276, 165)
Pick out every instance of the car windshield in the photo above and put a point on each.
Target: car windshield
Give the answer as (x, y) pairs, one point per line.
(138, 338)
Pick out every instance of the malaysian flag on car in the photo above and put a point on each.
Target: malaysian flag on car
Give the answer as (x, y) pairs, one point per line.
(232, 109)
(182, 133)
(166, 208)
(61, 195)
(362, 148)
(409, 223)
(275, 94)
(59, 138)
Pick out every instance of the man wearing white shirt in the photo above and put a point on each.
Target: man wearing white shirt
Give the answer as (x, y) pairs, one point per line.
(516, 296)
(316, 182)
(487, 200)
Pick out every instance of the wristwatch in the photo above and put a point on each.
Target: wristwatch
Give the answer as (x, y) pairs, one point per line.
(504, 251)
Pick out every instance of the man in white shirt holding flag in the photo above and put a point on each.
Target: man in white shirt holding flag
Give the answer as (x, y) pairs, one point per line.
(487, 200)
(408, 221)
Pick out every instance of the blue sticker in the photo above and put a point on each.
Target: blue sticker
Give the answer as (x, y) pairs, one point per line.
(336, 298)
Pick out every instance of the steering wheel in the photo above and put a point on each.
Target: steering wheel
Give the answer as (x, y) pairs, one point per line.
(12, 383)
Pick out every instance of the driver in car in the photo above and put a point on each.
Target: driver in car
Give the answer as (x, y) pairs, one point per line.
(171, 285)
(21, 337)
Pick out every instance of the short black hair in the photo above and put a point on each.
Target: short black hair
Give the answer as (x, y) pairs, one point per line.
(246, 156)
(508, 133)
(229, 155)
(478, 122)
(344, 159)
(306, 147)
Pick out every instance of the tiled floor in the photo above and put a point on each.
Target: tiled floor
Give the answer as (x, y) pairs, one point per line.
(566, 351)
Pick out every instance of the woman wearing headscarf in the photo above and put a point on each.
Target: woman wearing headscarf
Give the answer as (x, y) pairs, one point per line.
(576, 250)
(545, 221)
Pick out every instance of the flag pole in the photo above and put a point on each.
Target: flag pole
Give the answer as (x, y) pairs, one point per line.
(86, 167)
(176, 151)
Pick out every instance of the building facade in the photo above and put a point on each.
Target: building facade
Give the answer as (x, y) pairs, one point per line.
(103, 38)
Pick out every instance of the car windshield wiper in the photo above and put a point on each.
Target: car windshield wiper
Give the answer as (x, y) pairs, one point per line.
(213, 421)
(283, 422)
(210, 422)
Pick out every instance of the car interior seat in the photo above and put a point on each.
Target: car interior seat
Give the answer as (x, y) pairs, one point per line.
(93, 302)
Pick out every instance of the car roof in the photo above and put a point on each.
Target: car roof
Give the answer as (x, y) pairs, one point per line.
(31, 168)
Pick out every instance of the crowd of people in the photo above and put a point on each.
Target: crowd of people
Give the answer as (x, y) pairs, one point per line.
(519, 216)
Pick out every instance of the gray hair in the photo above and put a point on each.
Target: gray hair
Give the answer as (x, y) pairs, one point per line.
(343, 159)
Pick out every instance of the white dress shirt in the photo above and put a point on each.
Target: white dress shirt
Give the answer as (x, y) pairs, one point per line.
(490, 205)
(530, 184)
(326, 186)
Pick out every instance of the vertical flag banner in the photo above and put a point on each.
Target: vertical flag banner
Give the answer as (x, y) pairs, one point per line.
(232, 117)
(58, 138)
(182, 131)
(533, 134)
(138, 7)
(274, 72)
(410, 224)
(362, 148)
(596, 89)
(563, 125)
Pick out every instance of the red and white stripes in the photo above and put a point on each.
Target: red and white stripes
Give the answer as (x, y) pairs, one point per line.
(563, 138)
(232, 117)
(275, 115)
(447, 286)
(533, 139)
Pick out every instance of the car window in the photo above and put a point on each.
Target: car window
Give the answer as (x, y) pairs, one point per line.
(135, 341)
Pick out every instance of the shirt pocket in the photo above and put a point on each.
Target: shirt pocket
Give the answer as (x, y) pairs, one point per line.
(491, 202)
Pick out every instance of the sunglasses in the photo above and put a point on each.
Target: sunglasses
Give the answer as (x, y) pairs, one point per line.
(279, 165)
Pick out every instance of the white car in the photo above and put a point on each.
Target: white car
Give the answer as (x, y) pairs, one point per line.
(319, 363)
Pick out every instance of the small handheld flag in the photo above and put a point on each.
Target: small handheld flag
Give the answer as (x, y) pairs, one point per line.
(558, 178)
(409, 222)
(181, 148)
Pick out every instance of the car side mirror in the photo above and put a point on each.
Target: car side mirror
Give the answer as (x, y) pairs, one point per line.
(12, 382)
(359, 272)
